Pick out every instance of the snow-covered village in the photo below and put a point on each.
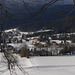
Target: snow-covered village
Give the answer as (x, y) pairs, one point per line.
(37, 37)
(39, 43)
(41, 52)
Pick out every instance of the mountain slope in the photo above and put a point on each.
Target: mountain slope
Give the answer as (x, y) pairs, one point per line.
(51, 18)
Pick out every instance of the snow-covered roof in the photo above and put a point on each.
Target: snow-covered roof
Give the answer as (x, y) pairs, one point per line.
(24, 33)
(10, 30)
(33, 37)
(45, 30)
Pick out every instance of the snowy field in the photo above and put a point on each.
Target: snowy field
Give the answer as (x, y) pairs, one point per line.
(44, 65)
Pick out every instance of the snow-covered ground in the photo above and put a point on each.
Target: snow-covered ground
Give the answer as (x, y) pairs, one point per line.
(44, 65)
(55, 65)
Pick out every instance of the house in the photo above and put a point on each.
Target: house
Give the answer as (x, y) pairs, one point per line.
(55, 41)
(33, 41)
(43, 43)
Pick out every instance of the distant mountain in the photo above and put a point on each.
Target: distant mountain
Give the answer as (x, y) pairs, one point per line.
(60, 25)
(52, 18)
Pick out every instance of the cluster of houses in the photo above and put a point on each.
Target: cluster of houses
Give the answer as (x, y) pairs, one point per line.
(43, 42)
